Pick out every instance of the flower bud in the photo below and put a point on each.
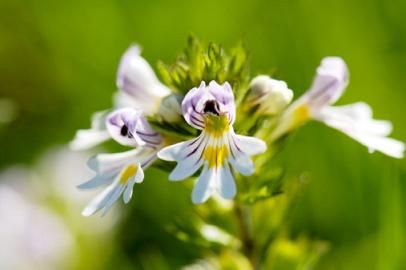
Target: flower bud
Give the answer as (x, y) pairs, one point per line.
(170, 109)
(271, 96)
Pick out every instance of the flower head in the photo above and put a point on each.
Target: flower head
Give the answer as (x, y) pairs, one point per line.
(270, 95)
(120, 171)
(139, 88)
(129, 127)
(354, 120)
(212, 109)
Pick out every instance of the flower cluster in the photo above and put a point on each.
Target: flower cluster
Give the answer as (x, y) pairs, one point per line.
(195, 117)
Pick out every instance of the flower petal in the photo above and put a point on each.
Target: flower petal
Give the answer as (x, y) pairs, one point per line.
(137, 178)
(205, 185)
(188, 155)
(110, 163)
(369, 132)
(100, 200)
(136, 78)
(242, 147)
(250, 145)
(98, 180)
(361, 113)
(226, 184)
(215, 98)
(88, 138)
(329, 84)
(128, 192)
(113, 198)
(129, 127)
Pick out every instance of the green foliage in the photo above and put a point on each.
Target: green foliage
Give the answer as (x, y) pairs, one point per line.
(200, 62)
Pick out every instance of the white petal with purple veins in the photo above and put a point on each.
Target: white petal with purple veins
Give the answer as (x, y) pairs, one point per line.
(129, 127)
(329, 84)
(136, 78)
(188, 155)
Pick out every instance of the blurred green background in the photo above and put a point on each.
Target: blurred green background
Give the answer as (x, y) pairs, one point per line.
(58, 61)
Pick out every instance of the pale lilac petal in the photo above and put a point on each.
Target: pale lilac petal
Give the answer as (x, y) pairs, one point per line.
(109, 163)
(242, 163)
(226, 185)
(172, 152)
(113, 198)
(250, 145)
(205, 185)
(88, 138)
(242, 148)
(361, 130)
(214, 98)
(139, 176)
(224, 94)
(136, 78)
(329, 84)
(100, 200)
(361, 113)
(98, 180)
(192, 116)
(188, 155)
(129, 127)
(185, 169)
(128, 192)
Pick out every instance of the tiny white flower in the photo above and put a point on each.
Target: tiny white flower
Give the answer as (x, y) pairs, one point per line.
(139, 88)
(120, 171)
(354, 120)
(270, 95)
(212, 109)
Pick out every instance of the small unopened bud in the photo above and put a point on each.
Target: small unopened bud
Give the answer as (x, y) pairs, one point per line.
(271, 96)
(170, 109)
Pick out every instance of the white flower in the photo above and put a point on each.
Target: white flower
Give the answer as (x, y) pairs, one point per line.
(212, 110)
(120, 171)
(354, 120)
(272, 96)
(139, 88)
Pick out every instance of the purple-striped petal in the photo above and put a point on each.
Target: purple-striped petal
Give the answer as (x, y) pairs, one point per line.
(128, 127)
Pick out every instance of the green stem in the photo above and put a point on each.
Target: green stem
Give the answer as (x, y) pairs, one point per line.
(248, 244)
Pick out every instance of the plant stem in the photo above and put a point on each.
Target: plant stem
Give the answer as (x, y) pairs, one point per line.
(245, 235)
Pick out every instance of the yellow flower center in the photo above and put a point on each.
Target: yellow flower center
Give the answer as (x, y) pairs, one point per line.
(215, 155)
(301, 114)
(216, 125)
(128, 172)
